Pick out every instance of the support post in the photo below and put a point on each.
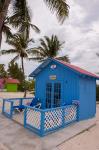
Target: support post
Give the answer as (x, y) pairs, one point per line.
(11, 110)
(42, 123)
(63, 116)
(25, 114)
(3, 105)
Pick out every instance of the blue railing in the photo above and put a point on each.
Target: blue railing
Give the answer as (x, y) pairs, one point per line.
(40, 121)
(10, 104)
(46, 121)
(7, 108)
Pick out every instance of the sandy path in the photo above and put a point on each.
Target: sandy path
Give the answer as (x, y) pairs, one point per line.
(88, 140)
(13, 94)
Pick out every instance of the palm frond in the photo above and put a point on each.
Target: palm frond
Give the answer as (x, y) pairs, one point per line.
(44, 45)
(35, 28)
(14, 59)
(7, 31)
(60, 7)
(30, 41)
(39, 52)
(64, 58)
(21, 18)
(39, 59)
(5, 52)
(49, 47)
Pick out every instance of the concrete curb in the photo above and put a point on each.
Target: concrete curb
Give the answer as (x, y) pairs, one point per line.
(56, 148)
(78, 134)
(52, 141)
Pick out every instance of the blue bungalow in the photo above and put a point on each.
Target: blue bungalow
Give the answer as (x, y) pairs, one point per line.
(59, 83)
(64, 93)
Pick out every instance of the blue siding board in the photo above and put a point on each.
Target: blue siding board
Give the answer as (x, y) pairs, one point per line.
(87, 96)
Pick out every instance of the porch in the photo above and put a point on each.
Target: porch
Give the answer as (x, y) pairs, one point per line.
(40, 121)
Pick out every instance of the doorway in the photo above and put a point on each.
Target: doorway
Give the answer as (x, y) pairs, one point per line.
(53, 95)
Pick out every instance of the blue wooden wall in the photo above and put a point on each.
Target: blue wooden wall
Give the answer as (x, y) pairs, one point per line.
(67, 78)
(74, 87)
(87, 97)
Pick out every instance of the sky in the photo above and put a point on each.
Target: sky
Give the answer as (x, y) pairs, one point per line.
(80, 31)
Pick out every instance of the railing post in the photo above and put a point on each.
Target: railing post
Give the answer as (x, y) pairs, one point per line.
(25, 116)
(63, 116)
(77, 112)
(11, 110)
(21, 101)
(3, 105)
(42, 122)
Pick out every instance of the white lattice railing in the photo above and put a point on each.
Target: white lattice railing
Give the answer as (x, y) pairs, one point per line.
(48, 120)
(41, 121)
(34, 118)
(70, 113)
(53, 119)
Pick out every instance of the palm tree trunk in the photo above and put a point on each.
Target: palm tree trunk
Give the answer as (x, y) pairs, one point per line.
(22, 63)
(3, 16)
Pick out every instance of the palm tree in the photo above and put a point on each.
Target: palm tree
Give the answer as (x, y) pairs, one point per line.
(49, 47)
(59, 6)
(4, 4)
(6, 30)
(21, 18)
(19, 47)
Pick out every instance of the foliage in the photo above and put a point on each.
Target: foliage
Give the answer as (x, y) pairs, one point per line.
(15, 72)
(60, 7)
(6, 30)
(21, 18)
(64, 58)
(1, 5)
(49, 47)
(97, 93)
(3, 73)
(19, 47)
(29, 85)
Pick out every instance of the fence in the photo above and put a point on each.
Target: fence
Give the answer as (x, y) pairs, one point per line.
(11, 106)
(40, 121)
(45, 121)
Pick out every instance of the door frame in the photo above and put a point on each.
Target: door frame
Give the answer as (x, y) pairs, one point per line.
(52, 93)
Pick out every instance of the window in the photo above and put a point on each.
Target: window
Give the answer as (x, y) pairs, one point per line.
(48, 95)
(57, 94)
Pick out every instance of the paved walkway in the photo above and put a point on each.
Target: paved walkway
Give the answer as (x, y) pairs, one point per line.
(14, 137)
(88, 140)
